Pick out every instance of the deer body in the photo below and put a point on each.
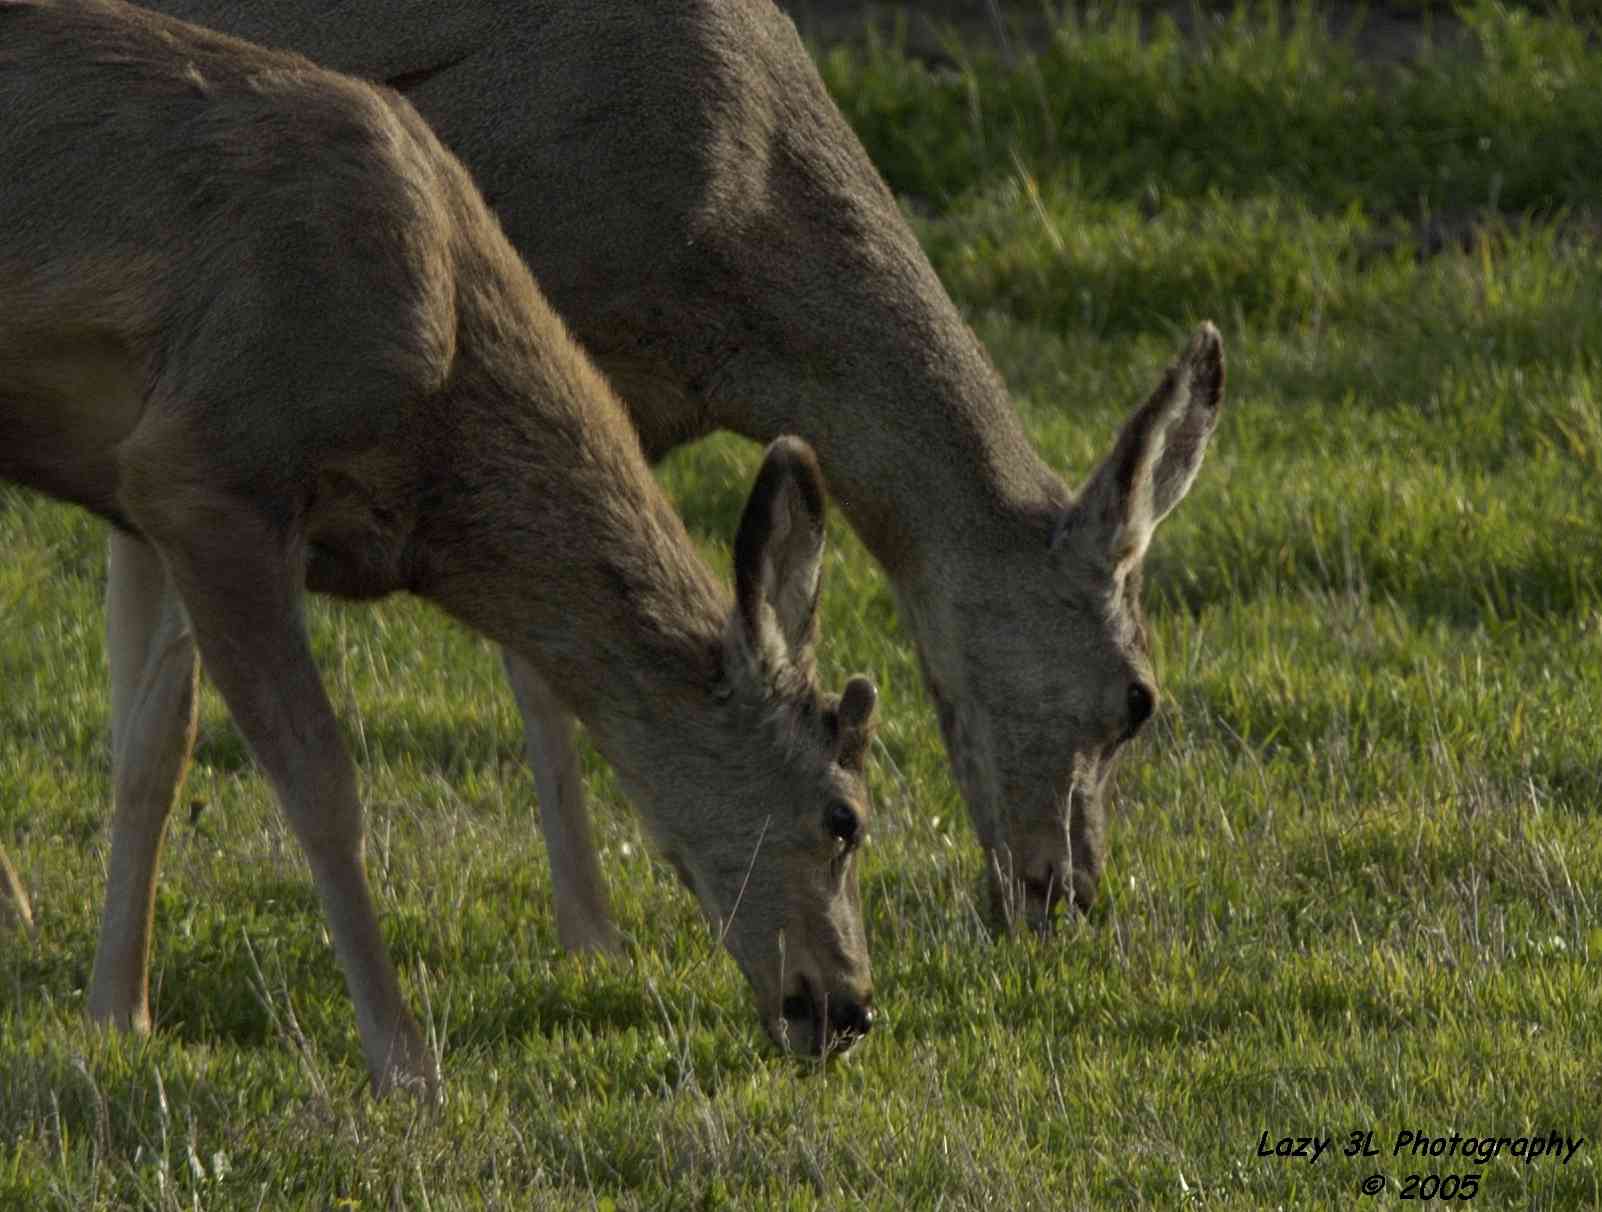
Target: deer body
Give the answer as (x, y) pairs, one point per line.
(699, 213)
(253, 314)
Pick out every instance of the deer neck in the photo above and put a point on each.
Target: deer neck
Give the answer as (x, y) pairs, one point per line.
(934, 471)
(555, 541)
(919, 441)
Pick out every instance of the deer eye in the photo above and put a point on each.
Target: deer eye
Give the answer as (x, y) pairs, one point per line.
(841, 821)
(1141, 702)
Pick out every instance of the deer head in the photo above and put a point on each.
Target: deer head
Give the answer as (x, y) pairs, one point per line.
(769, 848)
(1054, 673)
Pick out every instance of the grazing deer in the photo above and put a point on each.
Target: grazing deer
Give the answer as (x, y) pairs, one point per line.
(699, 212)
(253, 314)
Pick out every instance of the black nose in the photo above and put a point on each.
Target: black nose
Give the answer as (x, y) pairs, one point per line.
(1047, 889)
(850, 1018)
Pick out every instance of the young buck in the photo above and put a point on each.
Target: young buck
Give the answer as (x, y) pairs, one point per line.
(253, 314)
(700, 214)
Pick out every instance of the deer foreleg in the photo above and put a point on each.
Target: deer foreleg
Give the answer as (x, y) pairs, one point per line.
(583, 915)
(243, 594)
(154, 674)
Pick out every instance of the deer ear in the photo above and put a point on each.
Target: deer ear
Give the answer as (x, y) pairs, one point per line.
(1155, 460)
(778, 557)
(858, 703)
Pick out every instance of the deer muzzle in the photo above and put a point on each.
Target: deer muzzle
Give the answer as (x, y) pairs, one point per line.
(821, 1026)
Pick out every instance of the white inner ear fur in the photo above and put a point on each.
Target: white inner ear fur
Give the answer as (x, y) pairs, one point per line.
(758, 652)
(788, 593)
(1140, 517)
(792, 596)
(1176, 474)
(781, 522)
(1139, 514)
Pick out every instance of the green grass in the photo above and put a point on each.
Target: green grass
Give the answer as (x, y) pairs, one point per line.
(1357, 863)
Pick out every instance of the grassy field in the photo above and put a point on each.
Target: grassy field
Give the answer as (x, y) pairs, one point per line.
(1356, 866)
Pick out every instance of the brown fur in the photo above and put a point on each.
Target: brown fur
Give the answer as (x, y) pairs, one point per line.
(699, 212)
(255, 315)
